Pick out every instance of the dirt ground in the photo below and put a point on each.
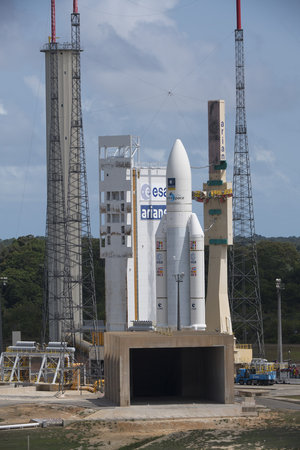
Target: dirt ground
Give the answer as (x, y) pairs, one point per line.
(119, 434)
(83, 433)
(22, 413)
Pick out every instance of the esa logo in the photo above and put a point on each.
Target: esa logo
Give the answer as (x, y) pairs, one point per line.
(159, 306)
(193, 305)
(148, 192)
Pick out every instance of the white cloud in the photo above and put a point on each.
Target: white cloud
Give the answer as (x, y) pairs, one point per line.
(124, 17)
(154, 154)
(36, 86)
(3, 111)
(17, 182)
(264, 155)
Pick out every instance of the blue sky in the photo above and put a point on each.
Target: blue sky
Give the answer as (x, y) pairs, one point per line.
(148, 69)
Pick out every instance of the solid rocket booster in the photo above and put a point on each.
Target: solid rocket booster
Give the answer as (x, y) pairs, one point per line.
(180, 250)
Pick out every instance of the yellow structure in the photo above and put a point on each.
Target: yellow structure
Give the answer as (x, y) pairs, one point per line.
(243, 353)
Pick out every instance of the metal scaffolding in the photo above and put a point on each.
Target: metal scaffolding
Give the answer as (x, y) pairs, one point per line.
(70, 298)
(56, 231)
(79, 242)
(26, 362)
(244, 286)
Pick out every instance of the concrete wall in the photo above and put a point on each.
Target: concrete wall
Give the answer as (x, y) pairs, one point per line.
(55, 263)
(186, 365)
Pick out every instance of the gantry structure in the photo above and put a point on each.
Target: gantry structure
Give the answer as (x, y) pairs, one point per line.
(70, 301)
(244, 286)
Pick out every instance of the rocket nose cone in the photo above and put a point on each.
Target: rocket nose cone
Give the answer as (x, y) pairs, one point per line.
(178, 160)
(195, 227)
(179, 189)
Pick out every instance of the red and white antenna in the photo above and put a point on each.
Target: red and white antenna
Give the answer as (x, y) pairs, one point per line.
(53, 30)
(75, 6)
(238, 15)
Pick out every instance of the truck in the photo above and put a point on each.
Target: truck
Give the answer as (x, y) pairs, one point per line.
(252, 376)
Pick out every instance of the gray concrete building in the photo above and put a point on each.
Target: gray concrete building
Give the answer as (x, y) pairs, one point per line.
(182, 366)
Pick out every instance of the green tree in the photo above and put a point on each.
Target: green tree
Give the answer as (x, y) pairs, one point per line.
(279, 260)
(22, 262)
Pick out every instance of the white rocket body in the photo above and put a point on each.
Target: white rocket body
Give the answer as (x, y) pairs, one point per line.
(180, 250)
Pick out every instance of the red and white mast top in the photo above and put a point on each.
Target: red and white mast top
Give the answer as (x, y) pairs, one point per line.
(238, 15)
(53, 30)
(75, 6)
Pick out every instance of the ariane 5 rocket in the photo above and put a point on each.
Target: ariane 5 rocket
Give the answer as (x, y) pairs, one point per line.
(180, 287)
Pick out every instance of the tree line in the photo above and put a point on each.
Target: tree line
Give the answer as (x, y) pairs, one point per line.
(22, 262)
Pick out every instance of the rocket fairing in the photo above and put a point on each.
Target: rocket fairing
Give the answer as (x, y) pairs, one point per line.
(180, 250)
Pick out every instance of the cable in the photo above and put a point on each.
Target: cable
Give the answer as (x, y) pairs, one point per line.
(124, 105)
(181, 114)
(202, 167)
(37, 94)
(203, 60)
(144, 132)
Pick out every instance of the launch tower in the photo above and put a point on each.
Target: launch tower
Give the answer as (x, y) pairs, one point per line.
(70, 291)
(244, 288)
(217, 222)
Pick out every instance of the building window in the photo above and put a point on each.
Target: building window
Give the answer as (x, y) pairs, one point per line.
(122, 218)
(115, 195)
(108, 230)
(108, 207)
(102, 242)
(108, 218)
(122, 206)
(123, 240)
(115, 218)
(122, 229)
(122, 195)
(108, 240)
(108, 196)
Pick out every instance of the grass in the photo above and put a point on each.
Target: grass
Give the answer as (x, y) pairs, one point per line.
(290, 351)
(278, 432)
(281, 433)
(270, 438)
(48, 439)
(294, 397)
(138, 444)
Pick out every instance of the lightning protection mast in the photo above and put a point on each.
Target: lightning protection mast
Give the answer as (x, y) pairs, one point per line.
(244, 287)
(79, 241)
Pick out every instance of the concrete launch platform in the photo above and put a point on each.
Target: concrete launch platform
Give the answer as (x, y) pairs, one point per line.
(182, 366)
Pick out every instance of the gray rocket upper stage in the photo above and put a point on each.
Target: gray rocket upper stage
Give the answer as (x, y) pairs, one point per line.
(180, 251)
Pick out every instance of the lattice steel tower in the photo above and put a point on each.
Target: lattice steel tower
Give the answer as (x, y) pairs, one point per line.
(70, 292)
(244, 287)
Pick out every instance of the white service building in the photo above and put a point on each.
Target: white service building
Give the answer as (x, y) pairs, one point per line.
(132, 202)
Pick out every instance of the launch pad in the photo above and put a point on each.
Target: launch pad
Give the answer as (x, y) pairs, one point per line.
(191, 366)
